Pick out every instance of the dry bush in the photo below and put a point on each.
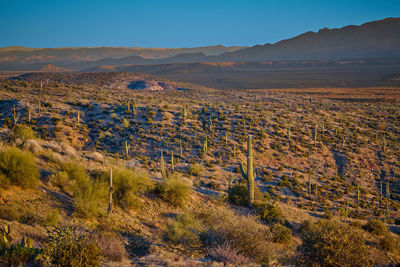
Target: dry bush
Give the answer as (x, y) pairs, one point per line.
(69, 150)
(68, 246)
(227, 254)
(32, 146)
(184, 230)
(246, 234)
(332, 243)
(376, 227)
(112, 245)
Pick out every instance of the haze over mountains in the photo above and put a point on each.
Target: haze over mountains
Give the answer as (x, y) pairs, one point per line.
(370, 53)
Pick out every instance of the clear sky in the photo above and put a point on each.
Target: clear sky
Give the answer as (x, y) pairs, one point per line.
(176, 23)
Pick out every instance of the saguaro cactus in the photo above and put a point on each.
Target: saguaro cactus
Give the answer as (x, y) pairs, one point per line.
(162, 166)
(172, 160)
(180, 148)
(110, 193)
(249, 173)
(205, 146)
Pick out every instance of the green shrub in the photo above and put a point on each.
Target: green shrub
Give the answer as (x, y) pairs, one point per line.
(272, 214)
(176, 190)
(61, 180)
(184, 230)
(52, 218)
(75, 172)
(89, 194)
(376, 227)
(331, 243)
(238, 195)
(127, 185)
(89, 198)
(281, 234)
(196, 169)
(18, 167)
(21, 132)
(68, 246)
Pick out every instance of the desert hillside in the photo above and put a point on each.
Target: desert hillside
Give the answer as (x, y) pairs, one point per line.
(199, 177)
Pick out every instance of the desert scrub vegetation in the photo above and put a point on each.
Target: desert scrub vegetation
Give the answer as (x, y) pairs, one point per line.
(244, 234)
(128, 186)
(68, 246)
(89, 194)
(16, 254)
(175, 189)
(332, 243)
(18, 168)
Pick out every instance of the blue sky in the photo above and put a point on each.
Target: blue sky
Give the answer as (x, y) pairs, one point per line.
(175, 23)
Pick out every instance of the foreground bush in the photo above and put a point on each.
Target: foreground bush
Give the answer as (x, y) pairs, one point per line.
(68, 246)
(247, 236)
(281, 234)
(21, 132)
(331, 243)
(227, 254)
(15, 254)
(271, 214)
(176, 190)
(18, 168)
(128, 185)
(376, 227)
(89, 194)
(111, 245)
(196, 169)
(239, 195)
(184, 230)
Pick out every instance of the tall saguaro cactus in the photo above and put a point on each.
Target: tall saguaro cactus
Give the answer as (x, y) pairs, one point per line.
(249, 173)
(162, 166)
(110, 193)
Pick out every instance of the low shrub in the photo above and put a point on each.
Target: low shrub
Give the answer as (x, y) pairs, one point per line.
(239, 195)
(227, 254)
(376, 227)
(184, 230)
(196, 169)
(61, 180)
(244, 233)
(323, 240)
(175, 190)
(68, 246)
(18, 167)
(111, 245)
(281, 234)
(17, 255)
(127, 185)
(387, 243)
(89, 198)
(21, 132)
(271, 214)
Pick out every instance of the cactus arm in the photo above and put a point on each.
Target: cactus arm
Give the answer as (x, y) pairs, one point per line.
(242, 171)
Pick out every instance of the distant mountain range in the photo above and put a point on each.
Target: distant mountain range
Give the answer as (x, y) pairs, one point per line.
(365, 55)
(377, 39)
(17, 56)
